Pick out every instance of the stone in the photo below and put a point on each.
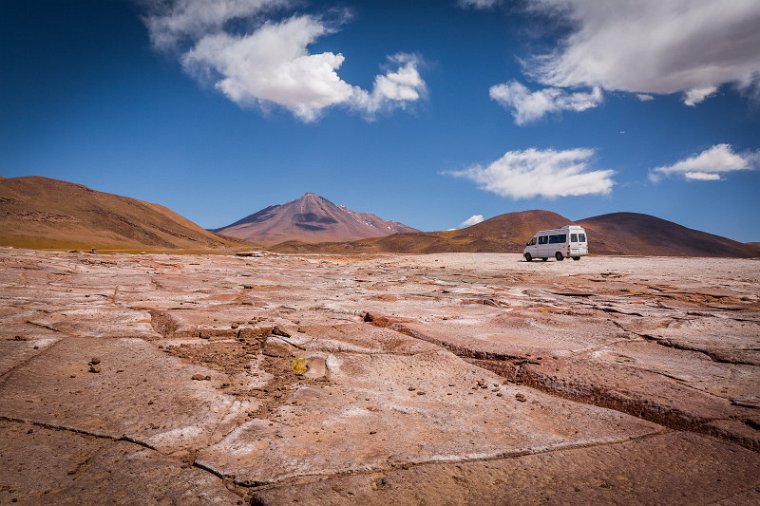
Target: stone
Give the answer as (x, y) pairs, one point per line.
(277, 331)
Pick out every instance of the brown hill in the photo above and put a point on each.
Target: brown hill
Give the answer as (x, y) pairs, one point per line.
(503, 233)
(642, 234)
(37, 212)
(617, 234)
(310, 219)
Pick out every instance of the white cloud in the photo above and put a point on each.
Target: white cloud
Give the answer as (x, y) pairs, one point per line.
(696, 95)
(708, 165)
(172, 22)
(533, 173)
(654, 46)
(394, 88)
(529, 105)
(478, 4)
(472, 220)
(702, 176)
(271, 63)
(644, 97)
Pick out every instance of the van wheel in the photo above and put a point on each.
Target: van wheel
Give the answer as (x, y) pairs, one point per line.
(559, 257)
(528, 258)
(576, 258)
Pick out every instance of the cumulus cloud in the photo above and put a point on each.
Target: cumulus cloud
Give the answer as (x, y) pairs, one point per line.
(395, 88)
(654, 46)
(271, 63)
(478, 4)
(472, 220)
(535, 173)
(527, 106)
(708, 165)
(644, 97)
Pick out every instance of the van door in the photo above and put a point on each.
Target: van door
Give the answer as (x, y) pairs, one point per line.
(578, 246)
(532, 247)
(543, 246)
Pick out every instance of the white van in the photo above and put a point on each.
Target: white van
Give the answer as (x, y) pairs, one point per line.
(568, 241)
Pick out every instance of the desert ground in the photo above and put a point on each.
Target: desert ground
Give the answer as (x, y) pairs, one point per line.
(430, 379)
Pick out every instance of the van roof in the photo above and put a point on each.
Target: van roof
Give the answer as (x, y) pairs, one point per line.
(565, 228)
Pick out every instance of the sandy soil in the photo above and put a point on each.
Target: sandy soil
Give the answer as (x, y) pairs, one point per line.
(437, 379)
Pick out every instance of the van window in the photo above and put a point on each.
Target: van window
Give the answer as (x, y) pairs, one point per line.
(557, 239)
(532, 242)
(582, 237)
(542, 239)
(573, 237)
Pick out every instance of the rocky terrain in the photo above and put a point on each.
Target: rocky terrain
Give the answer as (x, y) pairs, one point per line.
(310, 219)
(437, 379)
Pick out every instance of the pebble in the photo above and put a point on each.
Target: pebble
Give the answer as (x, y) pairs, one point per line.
(201, 377)
(521, 397)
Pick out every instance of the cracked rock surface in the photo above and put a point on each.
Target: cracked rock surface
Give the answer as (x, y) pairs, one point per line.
(436, 379)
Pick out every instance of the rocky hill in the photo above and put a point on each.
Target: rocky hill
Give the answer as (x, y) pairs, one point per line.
(38, 212)
(617, 233)
(310, 219)
(642, 234)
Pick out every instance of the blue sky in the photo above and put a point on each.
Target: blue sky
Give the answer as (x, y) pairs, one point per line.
(425, 112)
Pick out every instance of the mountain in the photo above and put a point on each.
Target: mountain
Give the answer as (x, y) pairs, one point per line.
(641, 234)
(38, 212)
(310, 219)
(504, 233)
(617, 233)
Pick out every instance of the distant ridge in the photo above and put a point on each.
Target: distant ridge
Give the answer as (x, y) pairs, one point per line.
(38, 212)
(310, 219)
(616, 233)
(504, 233)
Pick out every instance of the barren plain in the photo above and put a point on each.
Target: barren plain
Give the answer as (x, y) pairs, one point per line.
(435, 379)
